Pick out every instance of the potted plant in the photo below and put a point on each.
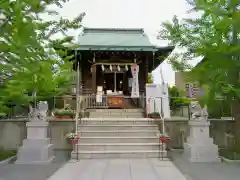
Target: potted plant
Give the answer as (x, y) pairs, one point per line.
(64, 114)
(164, 138)
(72, 137)
(154, 115)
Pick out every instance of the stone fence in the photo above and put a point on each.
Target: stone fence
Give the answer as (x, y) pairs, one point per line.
(12, 132)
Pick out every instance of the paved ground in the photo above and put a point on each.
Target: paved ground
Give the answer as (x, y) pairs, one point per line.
(119, 169)
(32, 172)
(27, 172)
(206, 171)
(133, 169)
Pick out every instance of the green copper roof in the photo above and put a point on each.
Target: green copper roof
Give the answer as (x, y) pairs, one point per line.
(115, 39)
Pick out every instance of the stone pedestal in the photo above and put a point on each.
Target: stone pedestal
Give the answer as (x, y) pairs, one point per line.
(199, 146)
(36, 148)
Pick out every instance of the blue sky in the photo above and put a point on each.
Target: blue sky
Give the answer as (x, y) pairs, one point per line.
(147, 14)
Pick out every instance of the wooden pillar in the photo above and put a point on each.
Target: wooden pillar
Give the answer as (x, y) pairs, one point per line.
(94, 78)
(146, 70)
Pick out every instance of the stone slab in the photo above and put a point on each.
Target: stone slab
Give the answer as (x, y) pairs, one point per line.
(118, 169)
(36, 142)
(49, 161)
(35, 155)
(37, 130)
(208, 153)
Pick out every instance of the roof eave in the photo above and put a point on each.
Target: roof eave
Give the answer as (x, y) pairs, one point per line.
(124, 48)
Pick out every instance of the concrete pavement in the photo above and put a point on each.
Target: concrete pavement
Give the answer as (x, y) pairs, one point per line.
(118, 169)
(206, 171)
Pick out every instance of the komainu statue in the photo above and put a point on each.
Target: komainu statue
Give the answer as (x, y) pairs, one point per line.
(197, 112)
(39, 113)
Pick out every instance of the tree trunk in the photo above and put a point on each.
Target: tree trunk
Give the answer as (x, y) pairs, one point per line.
(236, 115)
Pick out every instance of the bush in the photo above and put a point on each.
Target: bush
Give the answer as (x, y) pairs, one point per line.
(3, 115)
(154, 113)
(176, 103)
(4, 154)
(229, 154)
(219, 108)
(176, 98)
(64, 112)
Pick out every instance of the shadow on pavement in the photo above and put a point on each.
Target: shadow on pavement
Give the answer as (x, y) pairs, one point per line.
(33, 172)
(205, 171)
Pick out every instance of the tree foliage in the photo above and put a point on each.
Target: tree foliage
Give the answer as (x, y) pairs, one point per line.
(214, 35)
(31, 59)
(177, 98)
(150, 78)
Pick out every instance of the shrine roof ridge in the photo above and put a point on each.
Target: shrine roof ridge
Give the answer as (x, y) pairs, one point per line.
(132, 30)
(116, 39)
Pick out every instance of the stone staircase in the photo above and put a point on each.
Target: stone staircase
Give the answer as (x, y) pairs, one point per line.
(119, 133)
(109, 113)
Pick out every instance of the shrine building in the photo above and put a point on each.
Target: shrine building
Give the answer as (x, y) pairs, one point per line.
(114, 66)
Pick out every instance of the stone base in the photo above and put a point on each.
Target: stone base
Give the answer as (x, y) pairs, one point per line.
(202, 153)
(50, 160)
(35, 154)
(36, 149)
(199, 146)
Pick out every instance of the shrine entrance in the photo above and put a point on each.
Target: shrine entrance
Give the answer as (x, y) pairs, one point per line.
(113, 83)
(115, 79)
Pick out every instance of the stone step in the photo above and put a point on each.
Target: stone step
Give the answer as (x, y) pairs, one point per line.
(115, 110)
(109, 133)
(86, 127)
(119, 146)
(117, 121)
(119, 139)
(116, 114)
(119, 154)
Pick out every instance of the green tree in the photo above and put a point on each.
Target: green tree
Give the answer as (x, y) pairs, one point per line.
(177, 98)
(150, 78)
(31, 58)
(212, 34)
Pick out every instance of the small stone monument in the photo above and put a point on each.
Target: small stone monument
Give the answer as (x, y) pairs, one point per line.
(36, 148)
(199, 146)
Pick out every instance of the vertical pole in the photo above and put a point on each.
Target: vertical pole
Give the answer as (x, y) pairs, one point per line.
(77, 101)
(162, 116)
(115, 82)
(77, 150)
(159, 149)
(94, 78)
(162, 149)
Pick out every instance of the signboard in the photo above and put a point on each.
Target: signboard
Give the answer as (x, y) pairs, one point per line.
(99, 94)
(135, 83)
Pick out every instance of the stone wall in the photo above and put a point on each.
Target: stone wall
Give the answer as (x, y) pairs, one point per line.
(12, 132)
(220, 130)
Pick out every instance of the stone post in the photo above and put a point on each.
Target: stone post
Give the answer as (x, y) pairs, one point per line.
(199, 146)
(36, 148)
